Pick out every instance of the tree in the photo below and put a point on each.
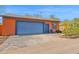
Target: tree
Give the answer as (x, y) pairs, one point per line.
(52, 17)
(76, 20)
(65, 24)
(38, 15)
(72, 27)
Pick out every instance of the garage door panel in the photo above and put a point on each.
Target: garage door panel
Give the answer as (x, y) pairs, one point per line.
(46, 28)
(24, 27)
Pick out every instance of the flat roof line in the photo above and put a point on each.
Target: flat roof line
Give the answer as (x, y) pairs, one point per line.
(22, 16)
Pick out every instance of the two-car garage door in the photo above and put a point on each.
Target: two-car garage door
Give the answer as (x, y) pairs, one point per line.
(28, 27)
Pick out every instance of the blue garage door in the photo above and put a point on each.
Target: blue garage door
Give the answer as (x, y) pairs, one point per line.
(25, 27)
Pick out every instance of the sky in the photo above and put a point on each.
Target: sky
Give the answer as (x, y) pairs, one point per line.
(63, 12)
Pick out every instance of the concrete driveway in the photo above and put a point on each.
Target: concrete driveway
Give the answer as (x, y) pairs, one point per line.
(40, 44)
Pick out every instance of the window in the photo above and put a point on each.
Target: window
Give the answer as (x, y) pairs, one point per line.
(54, 25)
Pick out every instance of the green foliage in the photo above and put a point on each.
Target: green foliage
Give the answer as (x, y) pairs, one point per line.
(53, 18)
(73, 28)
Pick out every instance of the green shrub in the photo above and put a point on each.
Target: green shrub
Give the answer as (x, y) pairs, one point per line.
(72, 30)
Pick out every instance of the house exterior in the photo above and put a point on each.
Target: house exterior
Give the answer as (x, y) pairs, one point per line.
(23, 25)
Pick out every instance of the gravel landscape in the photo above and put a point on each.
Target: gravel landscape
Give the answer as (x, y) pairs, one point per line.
(40, 44)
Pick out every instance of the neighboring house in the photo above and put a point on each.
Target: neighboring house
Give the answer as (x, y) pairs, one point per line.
(23, 25)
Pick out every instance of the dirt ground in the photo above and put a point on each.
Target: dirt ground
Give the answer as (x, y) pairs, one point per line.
(40, 44)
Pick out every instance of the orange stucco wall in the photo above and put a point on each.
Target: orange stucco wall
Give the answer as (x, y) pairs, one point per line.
(8, 27)
(0, 29)
(57, 25)
(9, 24)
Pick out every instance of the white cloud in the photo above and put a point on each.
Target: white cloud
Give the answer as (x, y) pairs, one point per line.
(75, 12)
(54, 10)
(45, 9)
